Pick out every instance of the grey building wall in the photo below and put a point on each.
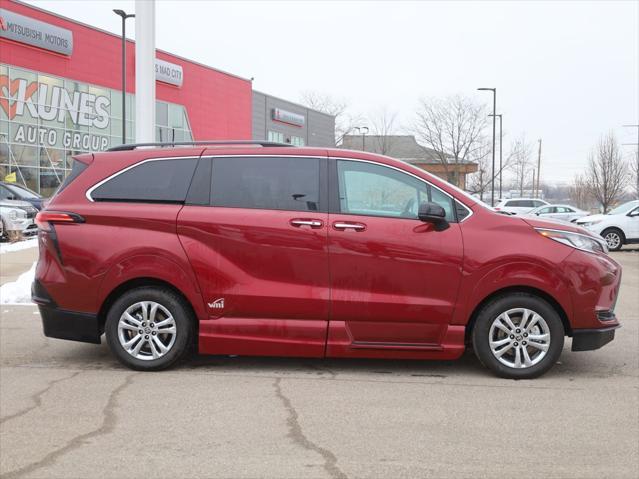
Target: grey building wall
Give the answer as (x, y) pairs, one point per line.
(318, 128)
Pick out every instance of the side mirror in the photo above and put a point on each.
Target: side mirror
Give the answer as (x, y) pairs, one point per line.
(433, 213)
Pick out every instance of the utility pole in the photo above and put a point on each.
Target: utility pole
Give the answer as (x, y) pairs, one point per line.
(539, 167)
(534, 195)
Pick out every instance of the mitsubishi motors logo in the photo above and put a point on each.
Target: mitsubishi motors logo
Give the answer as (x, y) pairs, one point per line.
(3, 24)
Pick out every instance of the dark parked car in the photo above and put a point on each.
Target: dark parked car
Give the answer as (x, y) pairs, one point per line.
(274, 250)
(12, 191)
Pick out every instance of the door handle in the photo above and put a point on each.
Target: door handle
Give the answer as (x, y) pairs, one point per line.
(343, 225)
(299, 222)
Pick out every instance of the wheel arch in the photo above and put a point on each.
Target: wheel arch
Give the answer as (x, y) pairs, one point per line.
(614, 228)
(518, 289)
(122, 288)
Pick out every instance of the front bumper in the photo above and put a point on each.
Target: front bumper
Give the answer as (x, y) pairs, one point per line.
(590, 339)
(62, 324)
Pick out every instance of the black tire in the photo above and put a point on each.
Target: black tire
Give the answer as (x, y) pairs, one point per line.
(507, 302)
(176, 306)
(614, 232)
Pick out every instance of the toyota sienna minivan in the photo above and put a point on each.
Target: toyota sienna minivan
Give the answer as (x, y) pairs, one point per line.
(262, 249)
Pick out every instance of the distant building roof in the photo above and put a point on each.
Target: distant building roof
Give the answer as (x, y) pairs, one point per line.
(402, 147)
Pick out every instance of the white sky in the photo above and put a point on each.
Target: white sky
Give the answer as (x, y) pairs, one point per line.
(565, 72)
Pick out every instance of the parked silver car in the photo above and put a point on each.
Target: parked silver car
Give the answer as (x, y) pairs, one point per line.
(559, 212)
(519, 206)
(18, 218)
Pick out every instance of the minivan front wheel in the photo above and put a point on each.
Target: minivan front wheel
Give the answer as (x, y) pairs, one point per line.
(149, 328)
(518, 336)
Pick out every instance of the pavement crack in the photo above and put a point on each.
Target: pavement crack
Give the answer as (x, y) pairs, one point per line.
(36, 398)
(108, 424)
(297, 435)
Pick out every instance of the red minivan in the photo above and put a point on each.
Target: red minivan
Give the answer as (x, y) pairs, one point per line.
(250, 248)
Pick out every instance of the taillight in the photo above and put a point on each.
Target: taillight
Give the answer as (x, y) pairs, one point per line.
(44, 218)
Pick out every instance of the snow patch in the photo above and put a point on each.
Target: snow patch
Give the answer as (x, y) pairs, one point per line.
(18, 291)
(18, 246)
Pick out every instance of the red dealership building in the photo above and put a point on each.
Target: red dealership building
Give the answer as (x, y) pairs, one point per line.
(60, 94)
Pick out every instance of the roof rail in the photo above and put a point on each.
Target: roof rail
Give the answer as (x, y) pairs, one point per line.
(133, 146)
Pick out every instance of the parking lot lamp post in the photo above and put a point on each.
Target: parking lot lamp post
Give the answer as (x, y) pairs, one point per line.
(365, 131)
(501, 137)
(122, 14)
(494, 115)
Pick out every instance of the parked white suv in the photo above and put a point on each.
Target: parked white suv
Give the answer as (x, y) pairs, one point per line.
(17, 218)
(519, 206)
(618, 227)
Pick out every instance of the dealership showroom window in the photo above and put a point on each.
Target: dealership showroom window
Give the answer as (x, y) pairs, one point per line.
(45, 120)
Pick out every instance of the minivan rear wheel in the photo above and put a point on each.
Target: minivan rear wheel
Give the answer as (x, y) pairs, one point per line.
(518, 336)
(149, 328)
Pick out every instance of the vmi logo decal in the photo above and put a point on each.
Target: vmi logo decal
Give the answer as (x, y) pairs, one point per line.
(217, 304)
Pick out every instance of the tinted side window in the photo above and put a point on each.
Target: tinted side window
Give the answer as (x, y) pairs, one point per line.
(163, 181)
(77, 168)
(375, 190)
(282, 183)
(513, 203)
(462, 211)
(443, 200)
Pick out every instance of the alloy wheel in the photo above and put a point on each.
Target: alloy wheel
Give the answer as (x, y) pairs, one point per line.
(519, 338)
(613, 239)
(147, 330)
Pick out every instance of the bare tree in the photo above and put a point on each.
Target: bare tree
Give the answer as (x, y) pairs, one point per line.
(634, 173)
(345, 121)
(383, 128)
(580, 192)
(452, 127)
(520, 159)
(607, 173)
(479, 183)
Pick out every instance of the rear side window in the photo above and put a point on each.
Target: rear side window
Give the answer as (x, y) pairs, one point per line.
(159, 181)
(282, 183)
(77, 168)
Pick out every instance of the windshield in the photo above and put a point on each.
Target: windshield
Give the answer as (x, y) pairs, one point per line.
(22, 192)
(623, 208)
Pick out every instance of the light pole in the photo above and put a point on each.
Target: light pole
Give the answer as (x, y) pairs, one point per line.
(122, 14)
(501, 137)
(364, 137)
(494, 115)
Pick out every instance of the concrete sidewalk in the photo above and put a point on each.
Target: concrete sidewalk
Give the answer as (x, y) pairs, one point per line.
(15, 263)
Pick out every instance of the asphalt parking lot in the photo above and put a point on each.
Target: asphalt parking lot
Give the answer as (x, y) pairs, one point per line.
(69, 410)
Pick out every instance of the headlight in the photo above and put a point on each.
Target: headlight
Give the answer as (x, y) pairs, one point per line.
(575, 240)
(588, 223)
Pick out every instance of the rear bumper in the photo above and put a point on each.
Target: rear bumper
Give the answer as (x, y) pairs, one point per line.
(62, 324)
(589, 339)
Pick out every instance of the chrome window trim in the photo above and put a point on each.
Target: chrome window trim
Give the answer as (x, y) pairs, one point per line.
(100, 183)
(455, 200)
(130, 167)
